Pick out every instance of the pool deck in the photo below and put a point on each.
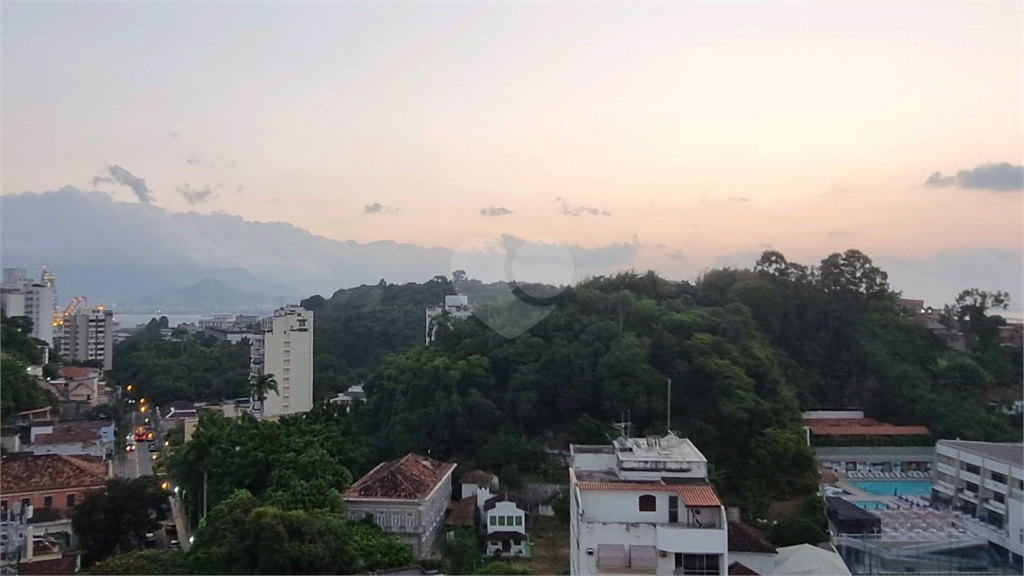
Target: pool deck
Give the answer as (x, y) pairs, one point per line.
(854, 494)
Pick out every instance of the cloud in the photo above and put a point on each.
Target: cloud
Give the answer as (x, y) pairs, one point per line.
(119, 175)
(676, 255)
(495, 211)
(739, 199)
(567, 210)
(765, 245)
(194, 196)
(201, 160)
(378, 208)
(1001, 177)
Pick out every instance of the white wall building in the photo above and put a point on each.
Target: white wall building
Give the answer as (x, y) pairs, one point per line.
(505, 522)
(984, 481)
(21, 296)
(456, 305)
(89, 335)
(285, 349)
(644, 505)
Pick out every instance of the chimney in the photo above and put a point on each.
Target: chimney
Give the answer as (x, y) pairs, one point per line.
(732, 514)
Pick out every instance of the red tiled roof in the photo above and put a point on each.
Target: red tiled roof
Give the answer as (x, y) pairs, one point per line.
(478, 477)
(24, 472)
(741, 570)
(411, 477)
(461, 512)
(744, 538)
(861, 427)
(690, 494)
(55, 567)
(62, 436)
(74, 372)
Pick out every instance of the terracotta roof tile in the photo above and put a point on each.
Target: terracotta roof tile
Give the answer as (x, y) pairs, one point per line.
(56, 567)
(75, 372)
(491, 502)
(478, 477)
(743, 538)
(461, 512)
(411, 477)
(25, 472)
(63, 436)
(738, 569)
(690, 494)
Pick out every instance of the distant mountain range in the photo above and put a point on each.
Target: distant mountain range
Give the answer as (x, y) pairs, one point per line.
(143, 258)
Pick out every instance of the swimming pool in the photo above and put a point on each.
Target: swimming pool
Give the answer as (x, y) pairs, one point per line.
(894, 487)
(872, 505)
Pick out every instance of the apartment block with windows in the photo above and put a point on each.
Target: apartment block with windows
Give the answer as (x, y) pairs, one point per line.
(89, 335)
(645, 506)
(984, 481)
(284, 348)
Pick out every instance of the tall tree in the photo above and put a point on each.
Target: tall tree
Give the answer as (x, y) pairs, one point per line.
(117, 518)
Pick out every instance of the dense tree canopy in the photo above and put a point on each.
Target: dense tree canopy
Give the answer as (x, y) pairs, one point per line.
(19, 392)
(117, 518)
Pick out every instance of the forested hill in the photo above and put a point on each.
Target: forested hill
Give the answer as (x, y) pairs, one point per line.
(746, 351)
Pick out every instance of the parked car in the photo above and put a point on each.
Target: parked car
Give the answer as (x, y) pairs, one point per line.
(130, 447)
(174, 545)
(171, 529)
(152, 446)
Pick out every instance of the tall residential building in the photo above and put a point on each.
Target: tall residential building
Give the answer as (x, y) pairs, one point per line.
(644, 505)
(284, 348)
(88, 334)
(984, 481)
(21, 296)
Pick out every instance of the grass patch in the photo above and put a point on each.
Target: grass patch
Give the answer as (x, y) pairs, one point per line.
(549, 540)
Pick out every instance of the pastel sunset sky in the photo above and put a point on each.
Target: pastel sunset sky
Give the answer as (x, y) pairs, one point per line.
(697, 133)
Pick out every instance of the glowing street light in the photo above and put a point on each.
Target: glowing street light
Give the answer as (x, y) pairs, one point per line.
(142, 409)
(129, 388)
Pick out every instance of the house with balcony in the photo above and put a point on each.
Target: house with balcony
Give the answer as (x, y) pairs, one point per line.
(407, 497)
(983, 482)
(645, 506)
(505, 522)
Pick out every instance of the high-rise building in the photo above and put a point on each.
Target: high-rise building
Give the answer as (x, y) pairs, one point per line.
(88, 334)
(284, 348)
(21, 296)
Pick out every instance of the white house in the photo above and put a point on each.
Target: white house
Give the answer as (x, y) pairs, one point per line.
(984, 482)
(456, 305)
(505, 524)
(644, 505)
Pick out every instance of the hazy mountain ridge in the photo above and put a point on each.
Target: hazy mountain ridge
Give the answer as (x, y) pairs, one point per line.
(124, 253)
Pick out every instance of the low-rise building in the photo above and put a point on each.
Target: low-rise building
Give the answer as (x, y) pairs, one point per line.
(984, 482)
(645, 505)
(407, 497)
(505, 522)
(457, 306)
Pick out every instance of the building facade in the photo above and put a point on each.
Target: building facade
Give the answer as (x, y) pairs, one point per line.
(284, 348)
(985, 482)
(456, 305)
(505, 525)
(644, 505)
(88, 334)
(407, 497)
(22, 296)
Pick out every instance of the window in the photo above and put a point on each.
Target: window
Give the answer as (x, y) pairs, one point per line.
(71, 500)
(519, 520)
(47, 501)
(24, 503)
(973, 469)
(999, 497)
(648, 503)
(409, 519)
(3, 507)
(501, 520)
(1001, 478)
(697, 564)
(493, 521)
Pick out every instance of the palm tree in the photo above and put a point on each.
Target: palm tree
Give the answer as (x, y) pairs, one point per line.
(260, 386)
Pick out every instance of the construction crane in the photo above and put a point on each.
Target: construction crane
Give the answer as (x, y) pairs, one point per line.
(76, 302)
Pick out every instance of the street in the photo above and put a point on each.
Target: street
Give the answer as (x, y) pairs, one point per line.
(137, 463)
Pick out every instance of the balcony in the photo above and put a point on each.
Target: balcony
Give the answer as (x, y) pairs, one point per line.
(996, 486)
(969, 496)
(970, 477)
(947, 469)
(944, 487)
(995, 506)
(680, 538)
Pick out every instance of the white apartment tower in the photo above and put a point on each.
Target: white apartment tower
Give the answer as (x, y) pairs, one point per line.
(284, 348)
(645, 506)
(88, 334)
(456, 305)
(21, 296)
(984, 482)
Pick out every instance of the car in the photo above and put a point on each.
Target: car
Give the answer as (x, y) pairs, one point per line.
(150, 540)
(152, 446)
(174, 545)
(155, 456)
(130, 447)
(171, 529)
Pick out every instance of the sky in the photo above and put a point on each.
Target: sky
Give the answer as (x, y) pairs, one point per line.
(698, 133)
